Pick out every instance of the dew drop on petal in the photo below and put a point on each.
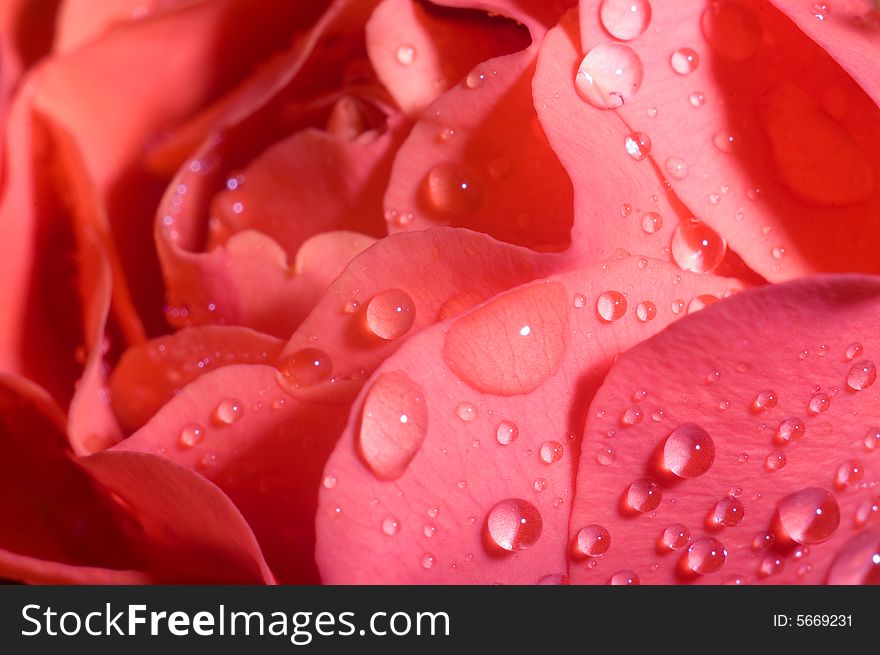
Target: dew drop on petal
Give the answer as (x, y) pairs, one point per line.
(191, 435)
(700, 302)
(631, 416)
(405, 55)
(308, 366)
(514, 524)
(775, 460)
(638, 145)
(688, 451)
(764, 400)
(675, 537)
(684, 61)
(466, 412)
(849, 474)
(697, 247)
(611, 305)
(866, 511)
(791, 429)
(858, 561)
(643, 495)
(591, 541)
(808, 516)
(676, 167)
(705, 556)
(646, 311)
(854, 350)
(454, 189)
(622, 578)
(652, 222)
(819, 402)
(763, 540)
(609, 75)
(428, 561)
(551, 452)
(390, 314)
(625, 19)
(727, 513)
(725, 141)
(862, 375)
(506, 433)
(770, 565)
(228, 412)
(871, 439)
(390, 526)
(330, 481)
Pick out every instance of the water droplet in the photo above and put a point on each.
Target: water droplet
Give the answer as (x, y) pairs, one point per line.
(551, 452)
(849, 474)
(684, 61)
(514, 524)
(350, 307)
(330, 481)
(191, 435)
(646, 311)
(390, 314)
(697, 247)
(625, 577)
(791, 429)
(591, 541)
(405, 55)
(727, 513)
(867, 510)
(506, 432)
(652, 222)
(643, 495)
(625, 19)
(820, 402)
(609, 75)
(688, 451)
(454, 189)
(611, 306)
(732, 29)
(428, 561)
(228, 412)
(580, 300)
(490, 350)
(697, 99)
(808, 516)
(631, 416)
(433, 512)
(554, 579)
(466, 412)
(862, 375)
(540, 484)
(775, 460)
(778, 252)
(390, 526)
(676, 167)
(700, 302)
(854, 350)
(857, 562)
(429, 530)
(308, 366)
(705, 556)
(474, 79)
(605, 456)
(764, 400)
(675, 537)
(763, 540)
(872, 438)
(770, 565)
(638, 145)
(393, 424)
(725, 141)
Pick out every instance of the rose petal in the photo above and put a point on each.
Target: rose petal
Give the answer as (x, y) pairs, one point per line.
(739, 370)
(431, 523)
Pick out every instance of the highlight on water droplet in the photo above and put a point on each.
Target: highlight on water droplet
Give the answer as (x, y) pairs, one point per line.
(625, 577)
(506, 433)
(609, 75)
(390, 314)
(688, 451)
(809, 516)
(862, 375)
(514, 524)
(611, 306)
(191, 435)
(849, 474)
(651, 222)
(591, 541)
(308, 366)
(228, 412)
(638, 145)
(454, 189)
(643, 495)
(705, 556)
(764, 400)
(697, 247)
(731, 29)
(646, 311)
(675, 537)
(551, 452)
(791, 429)
(394, 422)
(858, 560)
(684, 61)
(625, 19)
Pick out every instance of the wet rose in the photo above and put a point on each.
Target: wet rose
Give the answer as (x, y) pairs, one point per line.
(409, 292)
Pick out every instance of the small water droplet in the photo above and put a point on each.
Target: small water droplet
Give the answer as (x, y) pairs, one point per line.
(308, 366)
(330, 481)
(652, 222)
(858, 561)
(454, 189)
(866, 511)
(643, 495)
(625, 577)
(727, 513)
(428, 561)
(474, 79)
(514, 524)
(700, 302)
(770, 565)
(697, 99)
(540, 484)
(350, 307)
(646, 311)
(854, 350)
(611, 306)
(390, 526)
(429, 530)
(591, 541)
(820, 402)
(228, 412)
(390, 314)
(191, 435)
(791, 429)
(609, 75)
(580, 300)
(764, 400)
(638, 145)
(705, 556)
(808, 516)
(849, 474)
(676, 167)
(506, 433)
(631, 416)
(605, 456)
(466, 412)
(625, 19)
(775, 460)
(551, 452)
(697, 247)
(725, 141)
(862, 375)
(684, 61)
(778, 252)
(677, 306)
(763, 540)
(872, 438)
(688, 451)
(405, 55)
(675, 537)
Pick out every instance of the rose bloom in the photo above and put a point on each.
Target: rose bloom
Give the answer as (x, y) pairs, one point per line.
(464, 292)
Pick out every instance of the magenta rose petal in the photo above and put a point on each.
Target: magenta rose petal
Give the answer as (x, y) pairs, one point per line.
(777, 159)
(757, 454)
(458, 460)
(416, 50)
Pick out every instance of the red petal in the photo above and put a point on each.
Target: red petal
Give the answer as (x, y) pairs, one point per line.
(429, 525)
(738, 370)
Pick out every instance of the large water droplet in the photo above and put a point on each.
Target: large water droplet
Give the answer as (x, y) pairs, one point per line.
(551, 452)
(454, 189)
(506, 432)
(625, 19)
(308, 366)
(808, 516)
(684, 61)
(791, 429)
(727, 513)
(390, 526)
(675, 537)
(688, 451)
(390, 314)
(611, 305)
(862, 375)
(705, 556)
(513, 344)
(514, 524)
(591, 541)
(609, 75)
(697, 247)
(646, 311)
(643, 495)
(849, 474)
(731, 28)
(405, 55)
(638, 145)
(228, 411)
(393, 424)
(191, 435)
(858, 561)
